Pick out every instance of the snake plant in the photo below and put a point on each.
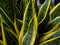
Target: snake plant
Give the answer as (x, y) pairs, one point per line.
(22, 23)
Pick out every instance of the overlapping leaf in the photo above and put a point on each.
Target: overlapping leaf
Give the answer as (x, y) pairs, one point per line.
(22, 5)
(53, 41)
(30, 36)
(43, 16)
(55, 11)
(53, 26)
(8, 36)
(7, 13)
(43, 11)
(27, 17)
(53, 23)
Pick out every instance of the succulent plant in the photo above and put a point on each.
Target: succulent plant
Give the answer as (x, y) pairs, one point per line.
(24, 24)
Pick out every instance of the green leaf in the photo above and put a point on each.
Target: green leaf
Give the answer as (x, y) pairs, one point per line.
(43, 16)
(35, 6)
(17, 24)
(30, 36)
(8, 36)
(43, 11)
(53, 41)
(26, 19)
(11, 37)
(50, 35)
(3, 33)
(7, 8)
(18, 13)
(52, 27)
(6, 18)
(7, 13)
(56, 34)
(28, 15)
(55, 11)
(53, 24)
(16, 28)
(22, 5)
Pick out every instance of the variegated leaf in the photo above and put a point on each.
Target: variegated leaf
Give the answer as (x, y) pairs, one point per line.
(55, 12)
(43, 11)
(53, 41)
(30, 36)
(26, 19)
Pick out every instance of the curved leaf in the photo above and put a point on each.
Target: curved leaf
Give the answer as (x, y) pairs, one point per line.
(28, 23)
(8, 37)
(43, 16)
(51, 28)
(3, 33)
(53, 23)
(55, 11)
(30, 36)
(53, 41)
(22, 5)
(43, 11)
(18, 13)
(50, 35)
(26, 19)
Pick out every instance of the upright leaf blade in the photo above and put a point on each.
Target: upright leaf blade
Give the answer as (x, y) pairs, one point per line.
(7, 13)
(3, 33)
(43, 11)
(26, 19)
(8, 37)
(53, 23)
(55, 12)
(52, 27)
(30, 36)
(28, 15)
(43, 16)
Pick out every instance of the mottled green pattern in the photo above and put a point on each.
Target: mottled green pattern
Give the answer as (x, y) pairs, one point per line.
(5, 9)
(55, 42)
(27, 17)
(43, 10)
(22, 23)
(11, 39)
(29, 34)
(53, 23)
(55, 11)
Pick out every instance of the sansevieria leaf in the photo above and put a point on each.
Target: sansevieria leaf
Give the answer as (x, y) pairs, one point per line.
(28, 14)
(57, 33)
(3, 33)
(29, 28)
(43, 11)
(53, 35)
(53, 41)
(22, 22)
(50, 35)
(8, 37)
(53, 26)
(22, 5)
(30, 36)
(7, 13)
(43, 16)
(53, 23)
(55, 11)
